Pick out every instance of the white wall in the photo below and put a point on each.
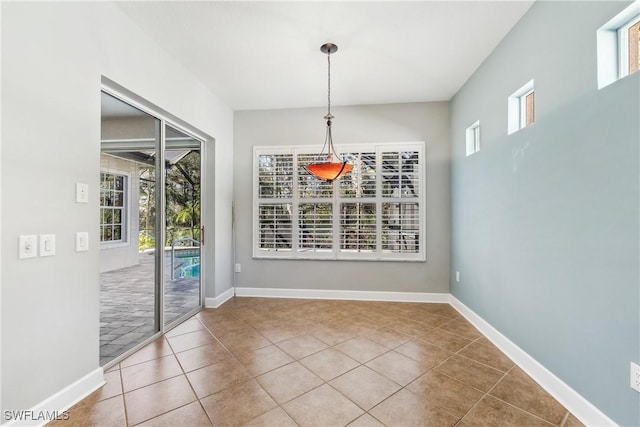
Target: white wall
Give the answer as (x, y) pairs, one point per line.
(411, 122)
(53, 58)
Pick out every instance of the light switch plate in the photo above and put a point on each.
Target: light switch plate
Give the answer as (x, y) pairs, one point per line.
(82, 241)
(47, 244)
(28, 246)
(82, 193)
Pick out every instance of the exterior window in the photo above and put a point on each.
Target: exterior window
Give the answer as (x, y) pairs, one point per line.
(376, 212)
(618, 48)
(521, 108)
(113, 211)
(473, 138)
(629, 46)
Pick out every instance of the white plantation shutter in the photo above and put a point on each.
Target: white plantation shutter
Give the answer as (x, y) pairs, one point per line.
(276, 230)
(315, 227)
(358, 229)
(375, 212)
(401, 227)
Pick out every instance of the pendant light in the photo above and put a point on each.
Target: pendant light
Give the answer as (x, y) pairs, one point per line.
(333, 167)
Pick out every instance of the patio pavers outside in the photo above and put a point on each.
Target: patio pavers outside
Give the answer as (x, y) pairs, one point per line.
(127, 304)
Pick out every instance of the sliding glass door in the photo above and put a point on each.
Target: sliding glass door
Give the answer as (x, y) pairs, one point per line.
(183, 230)
(150, 232)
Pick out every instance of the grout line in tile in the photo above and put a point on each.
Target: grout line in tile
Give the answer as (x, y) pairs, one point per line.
(564, 419)
(124, 401)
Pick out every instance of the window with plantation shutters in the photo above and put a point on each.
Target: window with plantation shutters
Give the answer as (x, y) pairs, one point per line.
(376, 212)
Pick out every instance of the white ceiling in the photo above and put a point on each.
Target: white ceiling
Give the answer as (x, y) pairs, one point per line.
(266, 54)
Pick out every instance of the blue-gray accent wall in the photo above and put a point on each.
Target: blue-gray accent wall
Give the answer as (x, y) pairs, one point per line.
(545, 222)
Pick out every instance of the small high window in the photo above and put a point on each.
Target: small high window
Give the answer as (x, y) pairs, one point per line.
(473, 138)
(629, 45)
(521, 108)
(619, 46)
(113, 193)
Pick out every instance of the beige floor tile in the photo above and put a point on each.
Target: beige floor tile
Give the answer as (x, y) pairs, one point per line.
(105, 412)
(200, 357)
(446, 340)
(491, 412)
(264, 359)
(276, 417)
(398, 367)
(439, 390)
(219, 376)
(365, 387)
(190, 340)
(332, 335)
(156, 399)
(572, 421)
(329, 363)
(462, 328)
(228, 328)
(470, 372)
(408, 326)
(302, 346)
(288, 382)
(423, 352)
(387, 337)
(115, 367)
(489, 355)
(245, 342)
(518, 389)
(361, 349)
(322, 406)
(187, 326)
(407, 409)
(155, 350)
(191, 415)
(366, 420)
(150, 372)
(113, 387)
(238, 404)
(241, 375)
(432, 320)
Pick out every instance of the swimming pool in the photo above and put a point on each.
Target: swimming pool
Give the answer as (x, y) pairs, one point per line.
(186, 263)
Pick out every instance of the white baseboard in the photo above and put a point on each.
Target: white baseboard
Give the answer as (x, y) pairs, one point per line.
(580, 407)
(343, 295)
(60, 401)
(220, 299)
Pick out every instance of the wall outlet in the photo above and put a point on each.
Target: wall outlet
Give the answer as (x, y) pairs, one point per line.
(635, 377)
(237, 268)
(457, 276)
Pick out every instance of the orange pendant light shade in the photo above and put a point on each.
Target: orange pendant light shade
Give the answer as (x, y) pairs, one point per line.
(329, 171)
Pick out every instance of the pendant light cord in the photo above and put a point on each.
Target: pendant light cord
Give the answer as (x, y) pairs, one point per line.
(329, 85)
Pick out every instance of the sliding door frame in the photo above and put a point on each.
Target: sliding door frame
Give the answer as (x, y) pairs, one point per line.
(159, 286)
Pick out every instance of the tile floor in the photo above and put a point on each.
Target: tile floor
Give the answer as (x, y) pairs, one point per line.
(283, 362)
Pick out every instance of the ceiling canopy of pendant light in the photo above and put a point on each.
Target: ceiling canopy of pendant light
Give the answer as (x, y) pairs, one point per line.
(333, 167)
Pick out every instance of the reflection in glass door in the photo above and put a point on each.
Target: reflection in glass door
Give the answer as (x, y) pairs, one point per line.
(182, 272)
(129, 229)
